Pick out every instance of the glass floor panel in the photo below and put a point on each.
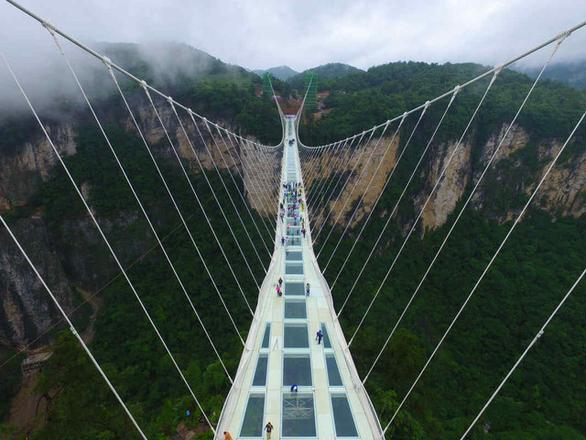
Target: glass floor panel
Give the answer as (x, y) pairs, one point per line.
(267, 336)
(295, 309)
(294, 256)
(293, 269)
(296, 370)
(252, 426)
(334, 377)
(324, 330)
(343, 417)
(260, 375)
(294, 241)
(296, 336)
(298, 415)
(295, 289)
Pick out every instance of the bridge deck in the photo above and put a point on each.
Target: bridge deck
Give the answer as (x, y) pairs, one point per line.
(282, 350)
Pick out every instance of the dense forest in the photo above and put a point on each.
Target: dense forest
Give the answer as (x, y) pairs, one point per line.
(79, 404)
(544, 399)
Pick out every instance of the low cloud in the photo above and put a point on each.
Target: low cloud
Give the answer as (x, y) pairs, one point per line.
(301, 34)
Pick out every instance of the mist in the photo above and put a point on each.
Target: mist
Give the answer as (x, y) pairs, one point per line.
(265, 33)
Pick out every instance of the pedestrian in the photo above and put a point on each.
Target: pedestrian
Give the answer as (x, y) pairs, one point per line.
(280, 281)
(281, 205)
(227, 436)
(307, 289)
(269, 429)
(294, 388)
(318, 336)
(282, 241)
(303, 232)
(278, 290)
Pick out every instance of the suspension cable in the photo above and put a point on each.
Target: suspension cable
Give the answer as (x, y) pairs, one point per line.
(333, 164)
(176, 206)
(74, 330)
(352, 152)
(520, 359)
(234, 182)
(215, 143)
(209, 185)
(374, 174)
(205, 144)
(103, 235)
(436, 185)
(387, 180)
(242, 177)
(407, 143)
(145, 214)
(340, 153)
(362, 147)
(480, 179)
(493, 258)
(256, 176)
(190, 183)
(356, 155)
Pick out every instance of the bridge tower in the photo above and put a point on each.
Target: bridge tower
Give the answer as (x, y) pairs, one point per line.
(311, 96)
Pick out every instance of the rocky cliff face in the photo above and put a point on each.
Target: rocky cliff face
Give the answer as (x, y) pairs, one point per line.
(28, 165)
(563, 193)
(26, 311)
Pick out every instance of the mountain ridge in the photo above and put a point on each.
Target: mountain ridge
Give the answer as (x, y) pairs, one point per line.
(542, 402)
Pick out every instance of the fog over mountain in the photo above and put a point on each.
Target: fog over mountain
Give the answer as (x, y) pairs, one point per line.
(302, 34)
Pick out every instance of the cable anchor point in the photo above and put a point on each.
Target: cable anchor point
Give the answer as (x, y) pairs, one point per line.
(49, 27)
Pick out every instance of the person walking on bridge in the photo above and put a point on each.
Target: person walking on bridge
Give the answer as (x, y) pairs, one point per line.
(269, 429)
(319, 336)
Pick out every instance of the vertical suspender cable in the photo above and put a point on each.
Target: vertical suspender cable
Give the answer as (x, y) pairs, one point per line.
(515, 223)
(520, 359)
(106, 241)
(176, 206)
(362, 174)
(74, 331)
(205, 144)
(146, 216)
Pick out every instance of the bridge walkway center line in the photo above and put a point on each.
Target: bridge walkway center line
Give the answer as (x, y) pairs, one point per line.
(281, 349)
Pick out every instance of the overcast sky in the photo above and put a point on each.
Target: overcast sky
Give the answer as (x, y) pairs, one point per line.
(306, 33)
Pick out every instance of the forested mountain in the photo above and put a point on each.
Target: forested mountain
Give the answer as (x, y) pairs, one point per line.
(280, 72)
(570, 73)
(545, 398)
(35, 196)
(324, 72)
(546, 253)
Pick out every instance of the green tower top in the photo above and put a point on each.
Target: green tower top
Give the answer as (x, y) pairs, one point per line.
(311, 87)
